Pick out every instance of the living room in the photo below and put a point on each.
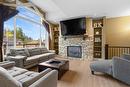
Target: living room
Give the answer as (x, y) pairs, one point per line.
(59, 44)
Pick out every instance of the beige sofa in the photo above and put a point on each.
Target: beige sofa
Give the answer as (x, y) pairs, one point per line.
(28, 57)
(11, 76)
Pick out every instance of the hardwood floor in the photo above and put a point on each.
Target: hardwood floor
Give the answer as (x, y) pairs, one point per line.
(80, 76)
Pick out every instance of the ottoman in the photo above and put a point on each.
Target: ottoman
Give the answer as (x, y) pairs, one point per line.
(104, 66)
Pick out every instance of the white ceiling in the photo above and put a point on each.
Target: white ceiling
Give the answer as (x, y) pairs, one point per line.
(58, 10)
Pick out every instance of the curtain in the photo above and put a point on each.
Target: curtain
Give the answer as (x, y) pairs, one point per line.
(5, 14)
(46, 25)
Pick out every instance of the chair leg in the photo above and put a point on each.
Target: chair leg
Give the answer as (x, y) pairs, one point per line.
(92, 72)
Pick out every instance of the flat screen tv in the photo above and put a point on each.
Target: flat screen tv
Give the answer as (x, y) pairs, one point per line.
(73, 27)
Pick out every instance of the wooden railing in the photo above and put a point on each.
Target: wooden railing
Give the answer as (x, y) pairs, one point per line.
(30, 45)
(111, 51)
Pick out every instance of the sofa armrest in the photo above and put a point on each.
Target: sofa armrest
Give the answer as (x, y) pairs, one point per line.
(121, 69)
(29, 82)
(19, 60)
(7, 64)
(8, 54)
(49, 80)
(52, 51)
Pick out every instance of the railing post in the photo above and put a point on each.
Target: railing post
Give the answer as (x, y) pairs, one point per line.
(106, 51)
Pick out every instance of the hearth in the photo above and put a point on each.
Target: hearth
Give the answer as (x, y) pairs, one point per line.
(74, 51)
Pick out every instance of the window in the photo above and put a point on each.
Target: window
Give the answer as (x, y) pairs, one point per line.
(26, 13)
(24, 30)
(27, 33)
(8, 39)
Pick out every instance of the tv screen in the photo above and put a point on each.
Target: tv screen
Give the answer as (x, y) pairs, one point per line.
(73, 27)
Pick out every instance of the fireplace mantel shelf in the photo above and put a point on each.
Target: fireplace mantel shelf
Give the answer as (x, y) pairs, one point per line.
(75, 36)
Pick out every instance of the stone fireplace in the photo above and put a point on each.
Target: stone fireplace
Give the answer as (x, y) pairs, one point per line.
(74, 51)
(86, 45)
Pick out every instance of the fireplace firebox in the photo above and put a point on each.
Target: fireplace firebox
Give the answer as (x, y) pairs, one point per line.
(74, 51)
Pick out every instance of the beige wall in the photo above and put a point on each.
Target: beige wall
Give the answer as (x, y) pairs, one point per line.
(89, 28)
(117, 31)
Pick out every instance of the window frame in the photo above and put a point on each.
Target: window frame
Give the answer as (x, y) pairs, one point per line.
(32, 21)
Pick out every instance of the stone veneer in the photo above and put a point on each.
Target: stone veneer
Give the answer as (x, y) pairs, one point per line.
(87, 45)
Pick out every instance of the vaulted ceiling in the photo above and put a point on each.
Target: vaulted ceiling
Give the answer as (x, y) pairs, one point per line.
(57, 10)
(64, 9)
(13, 1)
(27, 3)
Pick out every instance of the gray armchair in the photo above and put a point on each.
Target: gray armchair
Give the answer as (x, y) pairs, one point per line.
(121, 69)
(11, 76)
(117, 67)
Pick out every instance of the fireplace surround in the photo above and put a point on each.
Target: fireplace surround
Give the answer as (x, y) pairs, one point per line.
(86, 46)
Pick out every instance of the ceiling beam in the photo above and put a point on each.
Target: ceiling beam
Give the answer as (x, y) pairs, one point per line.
(29, 5)
(10, 5)
(24, 1)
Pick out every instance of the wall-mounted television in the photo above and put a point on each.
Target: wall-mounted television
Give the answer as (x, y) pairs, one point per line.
(73, 27)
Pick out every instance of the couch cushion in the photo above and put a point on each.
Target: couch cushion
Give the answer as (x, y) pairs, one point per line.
(32, 59)
(31, 77)
(43, 57)
(34, 51)
(46, 54)
(6, 80)
(15, 71)
(26, 76)
(12, 52)
(44, 50)
(23, 52)
(51, 55)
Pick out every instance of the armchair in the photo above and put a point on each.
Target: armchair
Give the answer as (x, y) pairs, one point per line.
(118, 68)
(11, 76)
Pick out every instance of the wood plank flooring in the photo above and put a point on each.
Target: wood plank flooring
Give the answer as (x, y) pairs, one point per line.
(80, 76)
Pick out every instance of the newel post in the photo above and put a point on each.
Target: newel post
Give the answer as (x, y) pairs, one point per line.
(106, 51)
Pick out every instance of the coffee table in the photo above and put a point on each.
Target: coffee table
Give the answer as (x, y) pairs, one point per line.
(61, 65)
